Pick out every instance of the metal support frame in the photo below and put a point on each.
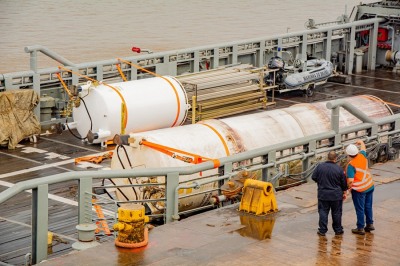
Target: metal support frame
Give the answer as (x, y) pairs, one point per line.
(328, 45)
(303, 50)
(373, 40)
(350, 50)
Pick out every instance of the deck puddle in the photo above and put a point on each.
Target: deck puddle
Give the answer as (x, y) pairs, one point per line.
(257, 227)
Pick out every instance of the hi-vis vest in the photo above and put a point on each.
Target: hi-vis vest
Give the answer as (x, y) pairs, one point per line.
(363, 178)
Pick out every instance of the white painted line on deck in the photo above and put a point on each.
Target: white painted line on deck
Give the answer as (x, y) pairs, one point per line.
(37, 168)
(30, 226)
(57, 198)
(45, 166)
(71, 145)
(365, 88)
(369, 77)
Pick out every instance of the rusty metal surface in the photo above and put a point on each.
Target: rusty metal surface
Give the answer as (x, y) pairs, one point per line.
(228, 237)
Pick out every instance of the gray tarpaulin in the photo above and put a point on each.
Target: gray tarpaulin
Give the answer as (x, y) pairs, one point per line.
(17, 120)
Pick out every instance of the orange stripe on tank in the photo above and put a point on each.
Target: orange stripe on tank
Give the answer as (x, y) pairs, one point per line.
(220, 137)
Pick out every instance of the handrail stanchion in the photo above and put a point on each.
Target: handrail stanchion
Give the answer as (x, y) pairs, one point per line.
(40, 222)
(172, 196)
(270, 171)
(311, 147)
(85, 200)
(224, 170)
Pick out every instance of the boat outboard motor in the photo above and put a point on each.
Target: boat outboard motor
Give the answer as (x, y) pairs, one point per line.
(275, 62)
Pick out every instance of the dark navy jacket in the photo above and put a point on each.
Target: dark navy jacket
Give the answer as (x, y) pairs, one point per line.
(331, 181)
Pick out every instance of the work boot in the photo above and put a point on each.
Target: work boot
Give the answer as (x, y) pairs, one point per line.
(320, 233)
(369, 228)
(339, 233)
(358, 231)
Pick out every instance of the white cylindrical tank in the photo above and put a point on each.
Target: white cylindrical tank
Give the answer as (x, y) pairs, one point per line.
(151, 103)
(219, 138)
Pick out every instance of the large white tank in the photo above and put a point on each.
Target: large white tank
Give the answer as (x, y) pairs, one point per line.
(151, 103)
(219, 138)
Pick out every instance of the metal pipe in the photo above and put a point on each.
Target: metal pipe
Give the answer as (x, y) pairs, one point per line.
(350, 108)
(39, 48)
(195, 184)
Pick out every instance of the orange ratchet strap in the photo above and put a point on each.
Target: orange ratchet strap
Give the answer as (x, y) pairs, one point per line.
(94, 159)
(189, 158)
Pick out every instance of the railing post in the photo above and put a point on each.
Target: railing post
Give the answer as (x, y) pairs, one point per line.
(223, 171)
(74, 78)
(374, 130)
(99, 72)
(85, 200)
(36, 88)
(40, 222)
(171, 183)
(196, 61)
(268, 173)
(312, 146)
(33, 60)
(396, 124)
(335, 125)
(215, 63)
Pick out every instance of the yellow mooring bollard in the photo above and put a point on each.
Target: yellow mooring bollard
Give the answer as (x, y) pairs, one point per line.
(258, 197)
(131, 226)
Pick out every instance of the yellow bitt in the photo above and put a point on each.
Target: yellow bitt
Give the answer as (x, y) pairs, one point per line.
(131, 226)
(258, 197)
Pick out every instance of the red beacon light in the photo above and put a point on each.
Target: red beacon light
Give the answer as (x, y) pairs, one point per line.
(136, 49)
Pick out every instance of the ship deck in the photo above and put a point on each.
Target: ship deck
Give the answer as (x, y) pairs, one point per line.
(226, 236)
(214, 238)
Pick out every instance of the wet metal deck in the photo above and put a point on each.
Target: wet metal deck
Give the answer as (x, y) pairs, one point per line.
(228, 237)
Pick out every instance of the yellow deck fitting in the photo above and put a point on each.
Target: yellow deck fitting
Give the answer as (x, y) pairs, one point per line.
(258, 198)
(49, 238)
(131, 226)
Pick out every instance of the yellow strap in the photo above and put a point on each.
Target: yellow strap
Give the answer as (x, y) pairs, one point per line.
(120, 72)
(64, 86)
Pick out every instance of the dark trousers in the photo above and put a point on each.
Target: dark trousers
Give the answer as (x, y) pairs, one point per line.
(363, 205)
(324, 206)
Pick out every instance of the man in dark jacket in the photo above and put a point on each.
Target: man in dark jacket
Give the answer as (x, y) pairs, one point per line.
(332, 186)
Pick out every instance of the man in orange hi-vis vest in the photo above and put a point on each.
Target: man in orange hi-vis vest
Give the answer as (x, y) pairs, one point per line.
(359, 180)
